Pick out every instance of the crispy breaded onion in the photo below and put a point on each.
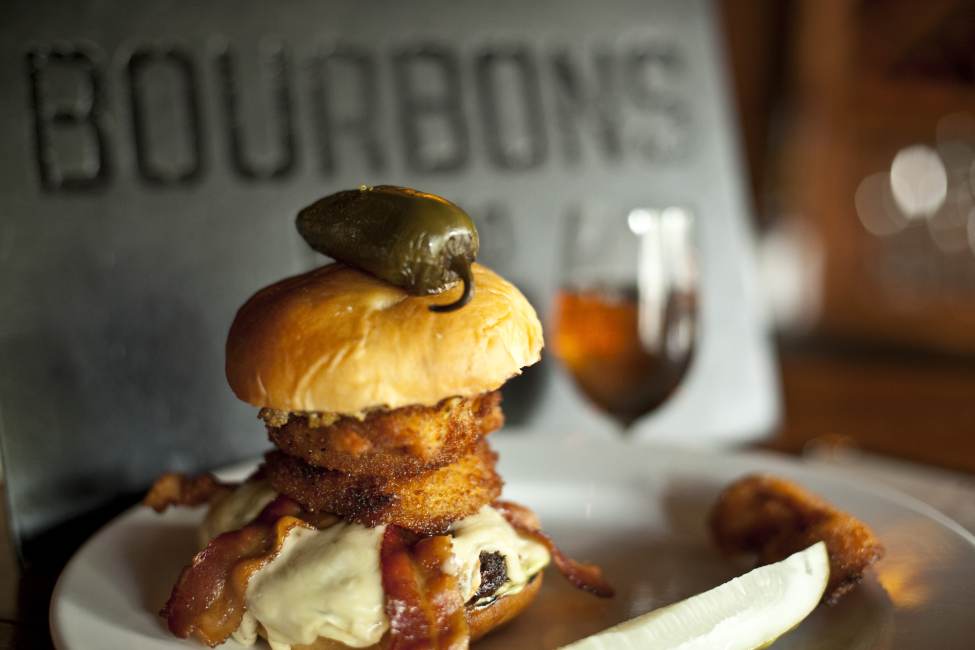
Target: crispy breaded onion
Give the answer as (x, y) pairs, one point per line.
(426, 503)
(403, 442)
(774, 518)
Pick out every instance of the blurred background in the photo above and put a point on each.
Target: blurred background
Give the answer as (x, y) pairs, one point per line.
(856, 124)
(859, 128)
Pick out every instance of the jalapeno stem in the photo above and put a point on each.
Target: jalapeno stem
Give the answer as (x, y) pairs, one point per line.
(461, 267)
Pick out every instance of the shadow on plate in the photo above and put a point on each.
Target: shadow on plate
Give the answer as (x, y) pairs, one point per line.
(647, 573)
(166, 554)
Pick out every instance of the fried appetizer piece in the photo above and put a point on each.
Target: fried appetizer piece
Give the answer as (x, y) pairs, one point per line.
(774, 518)
(426, 503)
(403, 442)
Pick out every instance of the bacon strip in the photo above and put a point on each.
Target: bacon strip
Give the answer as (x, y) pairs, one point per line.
(587, 577)
(173, 489)
(208, 599)
(422, 601)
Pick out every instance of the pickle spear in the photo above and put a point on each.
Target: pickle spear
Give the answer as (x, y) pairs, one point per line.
(414, 240)
(747, 613)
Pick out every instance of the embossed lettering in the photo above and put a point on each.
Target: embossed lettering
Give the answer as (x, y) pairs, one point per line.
(70, 141)
(653, 74)
(345, 97)
(505, 150)
(431, 116)
(594, 103)
(165, 109)
(275, 60)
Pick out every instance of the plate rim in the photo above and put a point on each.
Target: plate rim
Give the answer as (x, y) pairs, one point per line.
(845, 476)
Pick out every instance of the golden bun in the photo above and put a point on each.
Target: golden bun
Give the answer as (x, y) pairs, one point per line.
(341, 341)
(481, 620)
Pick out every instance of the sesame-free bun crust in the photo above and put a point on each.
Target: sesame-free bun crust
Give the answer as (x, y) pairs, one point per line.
(481, 620)
(341, 341)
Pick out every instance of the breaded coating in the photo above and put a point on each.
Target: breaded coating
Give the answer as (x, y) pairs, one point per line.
(426, 503)
(774, 518)
(172, 489)
(399, 443)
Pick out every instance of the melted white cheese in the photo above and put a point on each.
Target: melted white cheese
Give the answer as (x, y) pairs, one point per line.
(328, 583)
(236, 509)
(323, 583)
(488, 531)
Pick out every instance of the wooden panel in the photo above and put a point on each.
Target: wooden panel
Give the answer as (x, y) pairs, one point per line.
(753, 34)
(870, 79)
(6, 635)
(916, 407)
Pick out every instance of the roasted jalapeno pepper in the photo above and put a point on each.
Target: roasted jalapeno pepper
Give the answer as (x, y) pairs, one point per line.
(417, 241)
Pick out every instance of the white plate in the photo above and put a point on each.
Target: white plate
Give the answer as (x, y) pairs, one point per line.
(637, 511)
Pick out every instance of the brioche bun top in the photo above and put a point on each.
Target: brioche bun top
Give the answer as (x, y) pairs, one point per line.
(338, 340)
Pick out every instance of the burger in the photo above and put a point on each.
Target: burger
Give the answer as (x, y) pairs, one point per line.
(376, 522)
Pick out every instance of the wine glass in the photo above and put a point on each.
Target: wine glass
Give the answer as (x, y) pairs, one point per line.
(625, 317)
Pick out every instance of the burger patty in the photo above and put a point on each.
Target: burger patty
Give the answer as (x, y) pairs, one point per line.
(399, 443)
(425, 503)
(494, 573)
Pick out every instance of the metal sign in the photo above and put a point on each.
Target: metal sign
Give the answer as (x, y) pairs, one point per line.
(157, 152)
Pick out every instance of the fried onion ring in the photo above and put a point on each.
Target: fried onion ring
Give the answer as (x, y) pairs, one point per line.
(403, 442)
(426, 503)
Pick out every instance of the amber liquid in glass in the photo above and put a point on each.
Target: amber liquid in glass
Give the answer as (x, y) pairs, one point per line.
(598, 340)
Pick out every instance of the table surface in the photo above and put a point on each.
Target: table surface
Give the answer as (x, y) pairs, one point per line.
(914, 406)
(905, 420)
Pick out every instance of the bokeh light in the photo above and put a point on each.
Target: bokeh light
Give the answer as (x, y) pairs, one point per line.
(876, 208)
(640, 220)
(956, 127)
(918, 180)
(792, 261)
(948, 227)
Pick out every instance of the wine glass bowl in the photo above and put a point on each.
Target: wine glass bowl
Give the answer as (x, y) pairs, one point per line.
(625, 317)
